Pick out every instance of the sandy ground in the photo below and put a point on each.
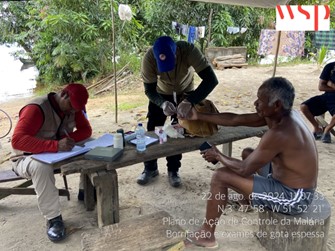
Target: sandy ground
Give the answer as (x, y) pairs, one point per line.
(23, 228)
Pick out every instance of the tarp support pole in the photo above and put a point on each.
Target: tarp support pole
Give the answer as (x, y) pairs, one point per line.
(276, 56)
(114, 60)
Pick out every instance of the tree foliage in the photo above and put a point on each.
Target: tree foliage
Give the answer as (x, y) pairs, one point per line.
(67, 40)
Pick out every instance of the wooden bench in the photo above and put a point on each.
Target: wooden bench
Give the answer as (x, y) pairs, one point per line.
(103, 176)
(305, 231)
(9, 175)
(147, 232)
(323, 123)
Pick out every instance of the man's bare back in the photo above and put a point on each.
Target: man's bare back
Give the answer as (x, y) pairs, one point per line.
(295, 164)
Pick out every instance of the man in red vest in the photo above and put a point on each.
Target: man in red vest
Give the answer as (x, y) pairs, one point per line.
(51, 123)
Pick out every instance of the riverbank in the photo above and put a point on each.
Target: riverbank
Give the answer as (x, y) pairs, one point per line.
(17, 81)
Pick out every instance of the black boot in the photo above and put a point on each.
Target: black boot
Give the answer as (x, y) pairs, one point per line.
(174, 179)
(56, 229)
(146, 176)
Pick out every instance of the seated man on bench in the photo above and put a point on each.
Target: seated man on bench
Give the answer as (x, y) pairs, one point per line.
(47, 124)
(288, 145)
(318, 105)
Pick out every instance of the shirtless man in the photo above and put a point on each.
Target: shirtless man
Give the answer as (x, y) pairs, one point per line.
(288, 145)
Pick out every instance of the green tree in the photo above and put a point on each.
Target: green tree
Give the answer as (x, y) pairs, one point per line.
(13, 25)
(69, 41)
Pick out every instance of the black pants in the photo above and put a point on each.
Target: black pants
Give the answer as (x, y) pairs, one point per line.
(156, 117)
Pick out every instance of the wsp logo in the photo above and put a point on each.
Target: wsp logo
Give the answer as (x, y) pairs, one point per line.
(302, 17)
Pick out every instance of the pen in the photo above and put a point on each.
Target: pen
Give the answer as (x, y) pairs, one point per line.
(67, 135)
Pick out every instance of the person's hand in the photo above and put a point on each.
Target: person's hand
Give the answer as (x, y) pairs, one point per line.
(184, 108)
(168, 108)
(211, 155)
(66, 144)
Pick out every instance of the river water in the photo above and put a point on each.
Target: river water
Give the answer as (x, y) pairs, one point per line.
(14, 83)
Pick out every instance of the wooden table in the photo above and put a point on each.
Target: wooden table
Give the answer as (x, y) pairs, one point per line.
(103, 176)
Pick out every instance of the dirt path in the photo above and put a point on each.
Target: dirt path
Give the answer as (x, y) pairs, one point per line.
(23, 228)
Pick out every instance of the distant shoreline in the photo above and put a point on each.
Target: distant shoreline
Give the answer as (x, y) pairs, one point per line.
(13, 97)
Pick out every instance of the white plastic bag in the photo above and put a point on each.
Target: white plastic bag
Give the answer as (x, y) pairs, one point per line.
(172, 132)
(125, 12)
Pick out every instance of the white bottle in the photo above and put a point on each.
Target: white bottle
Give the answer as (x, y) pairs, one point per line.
(140, 138)
(118, 140)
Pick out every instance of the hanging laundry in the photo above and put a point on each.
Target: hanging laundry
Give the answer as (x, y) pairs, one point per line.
(325, 38)
(173, 25)
(196, 37)
(192, 33)
(243, 29)
(184, 29)
(201, 32)
(176, 27)
(291, 43)
(233, 30)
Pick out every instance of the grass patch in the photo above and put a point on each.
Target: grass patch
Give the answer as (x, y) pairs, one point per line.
(127, 106)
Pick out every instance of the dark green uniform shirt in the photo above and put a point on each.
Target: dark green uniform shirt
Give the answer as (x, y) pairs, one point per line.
(180, 79)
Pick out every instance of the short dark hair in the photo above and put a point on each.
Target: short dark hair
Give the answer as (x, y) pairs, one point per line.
(281, 89)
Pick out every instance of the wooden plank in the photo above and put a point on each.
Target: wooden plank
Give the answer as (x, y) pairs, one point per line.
(82, 166)
(27, 191)
(9, 175)
(188, 144)
(145, 233)
(180, 246)
(171, 147)
(27, 183)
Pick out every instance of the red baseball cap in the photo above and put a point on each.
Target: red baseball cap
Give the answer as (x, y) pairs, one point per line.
(78, 95)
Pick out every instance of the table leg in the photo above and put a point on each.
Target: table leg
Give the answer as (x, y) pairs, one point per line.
(106, 184)
(227, 149)
(89, 193)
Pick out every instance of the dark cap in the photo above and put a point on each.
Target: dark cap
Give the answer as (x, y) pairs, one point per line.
(165, 53)
(78, 95)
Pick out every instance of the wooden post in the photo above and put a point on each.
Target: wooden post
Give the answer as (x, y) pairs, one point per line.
(276, 56)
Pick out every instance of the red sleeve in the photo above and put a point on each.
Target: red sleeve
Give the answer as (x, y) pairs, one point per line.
(30, 121)
(83, 128)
